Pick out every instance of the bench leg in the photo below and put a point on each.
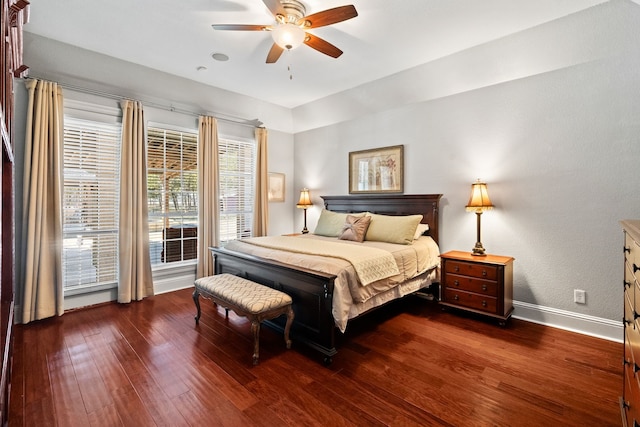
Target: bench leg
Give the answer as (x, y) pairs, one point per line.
(287, 327)
(196, 300)
(255, 329)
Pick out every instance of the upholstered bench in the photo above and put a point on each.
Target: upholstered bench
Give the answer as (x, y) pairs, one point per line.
(246, 298)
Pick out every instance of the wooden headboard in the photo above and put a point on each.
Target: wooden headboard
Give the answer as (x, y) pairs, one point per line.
(390, 204)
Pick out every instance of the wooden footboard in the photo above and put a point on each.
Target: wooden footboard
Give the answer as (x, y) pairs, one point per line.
(311, 291)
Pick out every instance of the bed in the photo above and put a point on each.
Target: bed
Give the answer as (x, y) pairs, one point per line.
(312, 290)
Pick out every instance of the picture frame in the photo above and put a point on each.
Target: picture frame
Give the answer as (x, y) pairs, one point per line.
(378, 170)
(276, 187)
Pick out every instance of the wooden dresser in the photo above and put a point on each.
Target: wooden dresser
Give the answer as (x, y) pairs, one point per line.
(480, 284)
(630, 401)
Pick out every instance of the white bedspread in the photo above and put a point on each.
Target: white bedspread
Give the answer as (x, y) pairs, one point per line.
(350, 297)
(371, 264)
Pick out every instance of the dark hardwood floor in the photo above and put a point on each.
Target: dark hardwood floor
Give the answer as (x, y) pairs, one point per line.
(408, 364)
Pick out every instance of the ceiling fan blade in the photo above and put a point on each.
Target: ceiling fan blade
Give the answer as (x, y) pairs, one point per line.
(274, 54)
(275, 7)
(322, 46)
(240, 27)
(329, 16)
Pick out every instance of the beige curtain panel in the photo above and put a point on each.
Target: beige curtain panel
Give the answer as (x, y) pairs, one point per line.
(135, 277)
(261, 205)
(208, 194)
(42, 294)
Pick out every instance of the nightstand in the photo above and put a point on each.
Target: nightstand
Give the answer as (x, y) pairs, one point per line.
(479, 284)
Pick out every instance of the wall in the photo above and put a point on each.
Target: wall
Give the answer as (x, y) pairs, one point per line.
(549, 117)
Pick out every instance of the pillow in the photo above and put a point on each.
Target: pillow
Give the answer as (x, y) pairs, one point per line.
(393, 229)
(330, 223)
(355, 228)
(420, 230)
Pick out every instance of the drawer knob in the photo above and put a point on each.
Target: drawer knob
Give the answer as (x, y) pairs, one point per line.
(627, 249)
(627, 284)
(636, 368)
(626, 362)
(456, 283)
(635, 267)
(625, 321)
(635, 315)
(484, 287)
(456, 297)
(484, 273)
(456, 268)
(484, 303)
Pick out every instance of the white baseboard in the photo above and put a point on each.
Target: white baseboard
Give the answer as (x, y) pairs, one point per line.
(607, 329)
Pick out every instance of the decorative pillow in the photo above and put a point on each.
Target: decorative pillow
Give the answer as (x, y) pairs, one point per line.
(355, 228)
(330, 223)
(420, 230)
(393, 229)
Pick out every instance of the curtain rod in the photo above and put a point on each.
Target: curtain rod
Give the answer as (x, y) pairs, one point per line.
(235, 120)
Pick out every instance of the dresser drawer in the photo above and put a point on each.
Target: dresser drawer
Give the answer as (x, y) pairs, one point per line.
(629, 317)
(471, 284)
(471, 300)
(631, 395)
(483, 271)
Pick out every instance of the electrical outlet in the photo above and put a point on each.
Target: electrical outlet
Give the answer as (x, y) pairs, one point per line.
(579, 296)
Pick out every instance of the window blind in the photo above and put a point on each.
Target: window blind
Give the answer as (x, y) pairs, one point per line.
(90, 201)
(172, 194)
(237, 188)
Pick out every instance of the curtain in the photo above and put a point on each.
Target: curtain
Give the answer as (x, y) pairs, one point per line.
(135, 278)
(208, 194)
(261, 205)
(42, 207)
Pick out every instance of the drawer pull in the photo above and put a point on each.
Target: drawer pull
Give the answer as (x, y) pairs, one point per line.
(627, 249)
(636, 368)
(484, 287)
(456, 268)
(635, 315)
(635, 267)
(627, 284)
(626, 362)
(484, 303)
(456, 283)
(484, 273)
(625, 321)
(456, 297)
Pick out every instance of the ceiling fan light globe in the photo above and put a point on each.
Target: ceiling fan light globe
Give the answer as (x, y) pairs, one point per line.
(288, 36)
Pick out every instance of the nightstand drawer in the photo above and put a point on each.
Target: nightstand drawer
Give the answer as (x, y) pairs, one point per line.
(471, 284)
(483, 271)
(471, 300)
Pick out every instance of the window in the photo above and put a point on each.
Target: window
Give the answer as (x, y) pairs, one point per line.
(237, 188)
(91, 187)
(172, 195)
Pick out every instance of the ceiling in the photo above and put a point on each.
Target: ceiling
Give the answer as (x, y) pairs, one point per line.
(387, 37)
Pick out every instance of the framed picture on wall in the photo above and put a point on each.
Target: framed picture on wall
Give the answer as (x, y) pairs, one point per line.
(379, 170)
(276, 187)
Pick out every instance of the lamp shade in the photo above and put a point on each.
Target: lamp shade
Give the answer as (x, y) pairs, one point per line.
(288, 36)
(479, 200)
(305, 200)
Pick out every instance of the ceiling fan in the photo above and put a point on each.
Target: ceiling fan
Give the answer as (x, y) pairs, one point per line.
(290, 29)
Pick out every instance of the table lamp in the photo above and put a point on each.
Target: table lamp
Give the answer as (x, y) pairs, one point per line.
(478, 203)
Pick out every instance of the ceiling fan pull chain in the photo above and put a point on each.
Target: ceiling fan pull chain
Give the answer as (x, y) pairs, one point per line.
(289, 66)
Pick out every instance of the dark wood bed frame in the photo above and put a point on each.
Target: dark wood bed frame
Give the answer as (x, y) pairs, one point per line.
(312, 291)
